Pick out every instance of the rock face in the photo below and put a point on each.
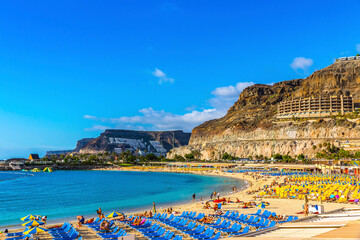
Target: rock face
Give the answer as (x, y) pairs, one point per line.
(151, 141)
(82, 143)
(249, 128)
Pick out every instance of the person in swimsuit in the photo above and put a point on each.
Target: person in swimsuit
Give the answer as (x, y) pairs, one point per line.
(81, 220)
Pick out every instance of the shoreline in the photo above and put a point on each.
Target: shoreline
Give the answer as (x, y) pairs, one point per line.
(160, 207)
(280, 206)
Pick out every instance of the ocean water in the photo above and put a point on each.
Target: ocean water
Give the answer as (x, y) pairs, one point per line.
(62, 195)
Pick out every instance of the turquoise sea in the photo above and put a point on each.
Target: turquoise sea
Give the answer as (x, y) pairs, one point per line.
(63, 195)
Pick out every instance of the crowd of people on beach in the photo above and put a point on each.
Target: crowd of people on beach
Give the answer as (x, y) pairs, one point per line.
(295, 185)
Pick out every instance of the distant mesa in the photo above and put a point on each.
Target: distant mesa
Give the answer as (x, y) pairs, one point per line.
(139, 142)
(113, 140)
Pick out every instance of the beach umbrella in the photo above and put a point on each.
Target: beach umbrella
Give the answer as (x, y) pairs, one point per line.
(29, 217)
(114, 214)
(35, 230)
(261, 205)
(32, 223)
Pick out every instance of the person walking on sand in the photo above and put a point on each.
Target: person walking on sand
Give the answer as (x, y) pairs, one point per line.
(211, 196)
(218, 195)
(194, 196)
(306, 209)
(306, 206)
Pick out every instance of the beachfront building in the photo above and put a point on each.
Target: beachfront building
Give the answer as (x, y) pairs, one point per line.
(321, 106)
(348, 58)
(34, 157)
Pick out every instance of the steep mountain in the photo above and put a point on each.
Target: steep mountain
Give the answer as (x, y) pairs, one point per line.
(151, 141)
(250, 127)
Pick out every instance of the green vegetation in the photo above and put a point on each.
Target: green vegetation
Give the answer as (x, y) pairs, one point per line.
(330, 151)
(288, 159)
(104, 158)
(227, 156)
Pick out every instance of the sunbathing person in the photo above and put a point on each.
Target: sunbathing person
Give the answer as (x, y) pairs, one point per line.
(91, 220)
(81, 220)
(216, 207)
(206, 219)
(120, 218)
(219, 212)
(105, 225)
(137, 221)
(207, 205)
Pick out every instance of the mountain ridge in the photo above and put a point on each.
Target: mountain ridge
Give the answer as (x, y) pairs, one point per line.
(252, 118)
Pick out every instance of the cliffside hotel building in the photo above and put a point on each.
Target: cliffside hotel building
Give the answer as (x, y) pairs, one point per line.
(321, 106)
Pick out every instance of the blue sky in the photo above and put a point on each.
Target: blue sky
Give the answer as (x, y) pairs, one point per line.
(69, 69)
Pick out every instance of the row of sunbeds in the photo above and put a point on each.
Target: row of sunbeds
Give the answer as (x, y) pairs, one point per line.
(154, 231)
(188, 225)
(258, 219)
(16, 235)
(65, 232)
(231, 223)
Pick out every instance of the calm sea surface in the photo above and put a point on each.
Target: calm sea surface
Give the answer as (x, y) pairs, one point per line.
(65, 194)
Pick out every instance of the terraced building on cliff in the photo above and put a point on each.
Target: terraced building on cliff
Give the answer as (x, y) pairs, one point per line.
(321, 106)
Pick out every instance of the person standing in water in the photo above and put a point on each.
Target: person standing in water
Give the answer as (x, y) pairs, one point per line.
(194, 196)
(154, 208)
(99, 212)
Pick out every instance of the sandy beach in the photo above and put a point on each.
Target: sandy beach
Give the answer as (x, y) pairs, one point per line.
(280, 206)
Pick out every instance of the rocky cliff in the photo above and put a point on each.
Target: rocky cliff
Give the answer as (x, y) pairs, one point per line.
(250, 128)
(151, 141)
(82, 143)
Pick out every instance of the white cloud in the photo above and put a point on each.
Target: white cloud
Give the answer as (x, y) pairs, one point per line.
(89, 117)
(162, 77)
(301, 63)
(226, 96)
(96, 127)
(150, 119)
(358, 47)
